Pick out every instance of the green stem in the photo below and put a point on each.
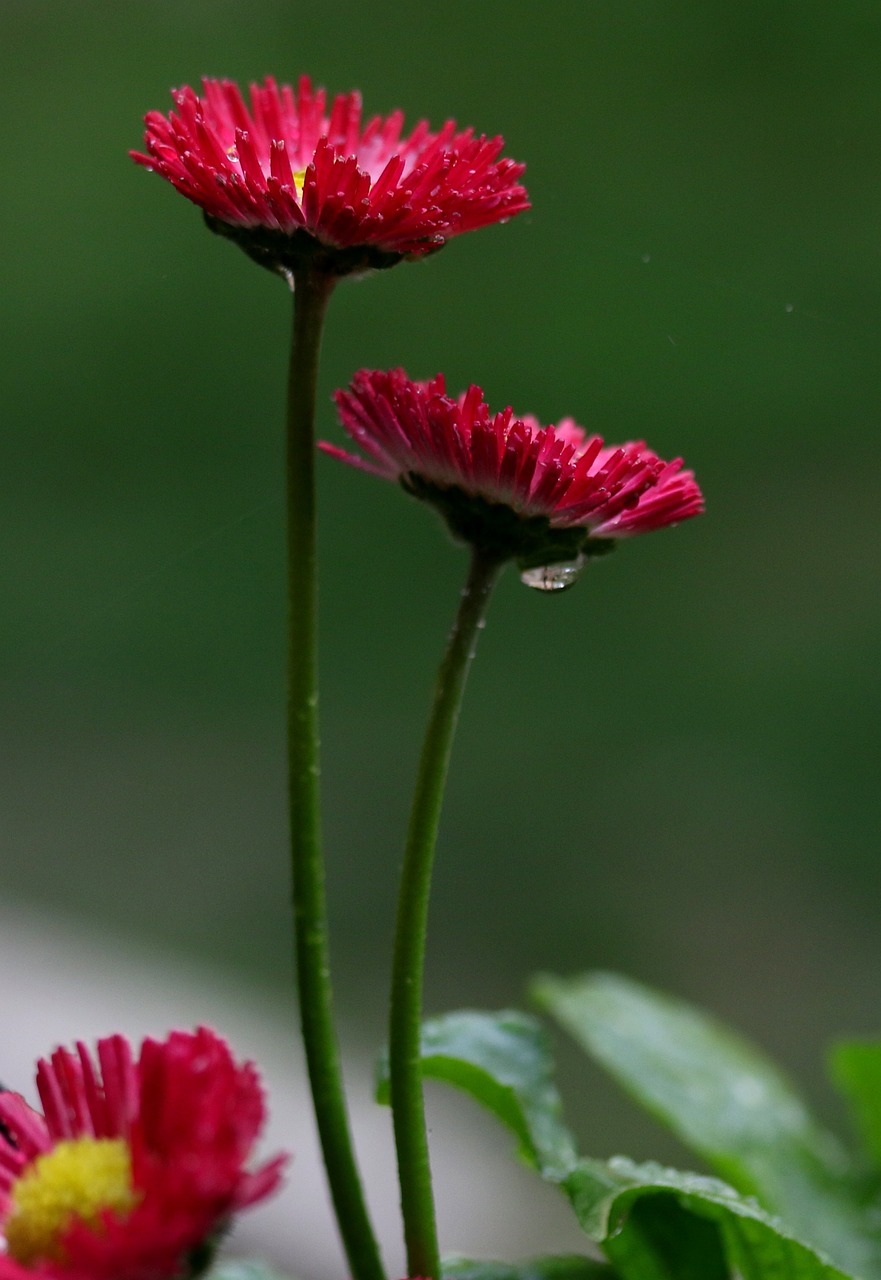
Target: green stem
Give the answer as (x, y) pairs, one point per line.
(311, 294)
(405, 1066)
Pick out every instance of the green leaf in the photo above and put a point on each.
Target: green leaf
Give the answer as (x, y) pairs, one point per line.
(856, 1069)
(567, 1267)
(504, 1061)
(663, 1239)
(636, 1212)
(242, 1269)
(726, 1101)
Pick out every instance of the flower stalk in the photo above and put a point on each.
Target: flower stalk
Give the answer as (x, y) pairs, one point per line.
(405, 1064)
(312, 290)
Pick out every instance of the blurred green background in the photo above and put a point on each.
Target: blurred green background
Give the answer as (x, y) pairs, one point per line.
(671, 770)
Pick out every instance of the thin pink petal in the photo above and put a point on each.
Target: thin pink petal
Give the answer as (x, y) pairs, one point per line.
(574, 480)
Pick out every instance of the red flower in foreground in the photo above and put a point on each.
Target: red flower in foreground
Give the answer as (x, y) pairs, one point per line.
(543, 495)
(135, 1167)
(288, 174)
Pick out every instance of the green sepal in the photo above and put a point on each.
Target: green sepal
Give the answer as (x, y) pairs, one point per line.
(503, 533)
(200, 1258)
(286, 253)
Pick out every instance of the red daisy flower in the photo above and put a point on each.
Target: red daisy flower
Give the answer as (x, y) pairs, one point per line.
(543, 495)
(134, 1168)
(288, 177)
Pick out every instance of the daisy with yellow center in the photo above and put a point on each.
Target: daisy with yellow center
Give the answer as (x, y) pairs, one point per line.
(292, 174)
(135, 1166)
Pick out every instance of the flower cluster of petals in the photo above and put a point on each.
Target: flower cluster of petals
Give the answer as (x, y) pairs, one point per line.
(290, 163)
(414, 429)
(187, 1116)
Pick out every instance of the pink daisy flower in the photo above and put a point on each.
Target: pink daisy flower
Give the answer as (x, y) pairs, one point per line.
(135, 1167)
(291, 176)
(543, 495)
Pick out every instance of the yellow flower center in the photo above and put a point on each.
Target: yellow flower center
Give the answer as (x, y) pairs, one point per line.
(76, 1179)
(298, 176)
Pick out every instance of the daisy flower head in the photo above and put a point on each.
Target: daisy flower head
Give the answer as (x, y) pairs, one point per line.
(549, 497)
(135, 1166)
(294, 178)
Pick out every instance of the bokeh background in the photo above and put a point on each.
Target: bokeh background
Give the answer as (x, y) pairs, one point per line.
(671, 770)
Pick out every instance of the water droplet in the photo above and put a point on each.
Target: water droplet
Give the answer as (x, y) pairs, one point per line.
(789, 308)
(554, 577)
(646, 257)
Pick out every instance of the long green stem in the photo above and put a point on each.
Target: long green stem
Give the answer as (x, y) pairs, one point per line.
(311, 294)
(405, 1068)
